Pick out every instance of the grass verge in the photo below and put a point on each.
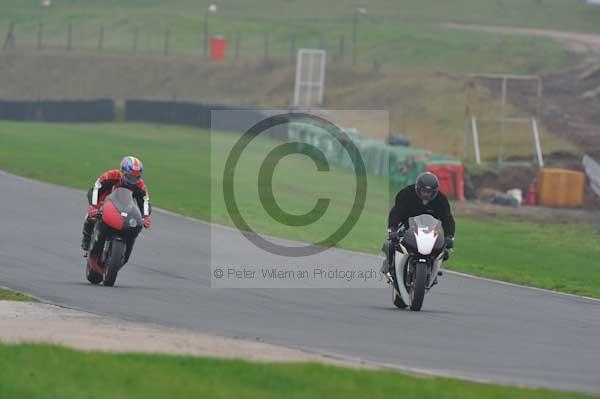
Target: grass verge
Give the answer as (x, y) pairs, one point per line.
(43, 371)
(7, 295)
(182, 175)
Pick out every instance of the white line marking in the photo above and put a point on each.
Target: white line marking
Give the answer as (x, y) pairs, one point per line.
(521, 286)
(380, 258)
(415, 371)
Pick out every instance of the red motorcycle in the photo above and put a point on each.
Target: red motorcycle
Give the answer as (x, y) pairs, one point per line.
(118, 224)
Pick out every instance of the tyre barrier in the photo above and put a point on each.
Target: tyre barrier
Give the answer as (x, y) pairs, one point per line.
(100, 110)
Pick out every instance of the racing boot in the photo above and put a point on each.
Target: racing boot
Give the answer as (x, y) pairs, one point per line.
(385, 266)
(88, 227)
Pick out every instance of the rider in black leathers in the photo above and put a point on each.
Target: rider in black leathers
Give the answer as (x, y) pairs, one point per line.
(420, 198)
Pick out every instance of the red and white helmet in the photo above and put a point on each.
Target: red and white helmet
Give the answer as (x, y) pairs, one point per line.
(131, 170)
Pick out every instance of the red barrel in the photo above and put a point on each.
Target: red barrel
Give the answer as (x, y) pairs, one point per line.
(451, 177)
(218, 48)
(531, 199)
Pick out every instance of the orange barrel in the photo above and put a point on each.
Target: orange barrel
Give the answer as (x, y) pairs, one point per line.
(560, 187)
(451, 177)
(218, 48)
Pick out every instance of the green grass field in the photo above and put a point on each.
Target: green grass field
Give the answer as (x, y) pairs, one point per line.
(41, 371)
(550, 14)
(405, 33)
(6, 295)
(182, 179)
(404, 37)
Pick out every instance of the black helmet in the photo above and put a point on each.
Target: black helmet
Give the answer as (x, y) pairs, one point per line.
(427, 186)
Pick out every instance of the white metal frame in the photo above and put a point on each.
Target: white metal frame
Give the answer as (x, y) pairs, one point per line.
(536, 141)
(503, 119)
(475, 140)
(309, 58)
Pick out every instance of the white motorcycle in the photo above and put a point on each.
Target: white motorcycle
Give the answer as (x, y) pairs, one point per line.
(418, 257)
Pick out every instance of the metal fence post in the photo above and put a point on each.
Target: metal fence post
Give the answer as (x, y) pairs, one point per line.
(354, 36)
(237, 46)
(205, 34)
(69, 36)
(167, 41)
(136, 33)
(293, 48)
(267, 50)
(39, 36)
(101, 38)
(9, 41)
(502, 122)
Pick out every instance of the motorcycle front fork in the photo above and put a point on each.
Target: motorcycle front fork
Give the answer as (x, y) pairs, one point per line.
(401, 261)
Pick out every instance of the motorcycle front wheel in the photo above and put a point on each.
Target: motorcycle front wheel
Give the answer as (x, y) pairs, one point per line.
(114, 261)
(91, 275)
(417, 288)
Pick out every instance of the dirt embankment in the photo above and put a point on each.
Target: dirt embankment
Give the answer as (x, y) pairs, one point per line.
(572, 101)
(76, 75)
(429, 107)
(584, 43)
(571, 97)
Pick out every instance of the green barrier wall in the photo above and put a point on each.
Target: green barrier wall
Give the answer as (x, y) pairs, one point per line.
(401, 165)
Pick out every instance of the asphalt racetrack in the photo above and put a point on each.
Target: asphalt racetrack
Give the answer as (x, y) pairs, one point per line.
(469, 328)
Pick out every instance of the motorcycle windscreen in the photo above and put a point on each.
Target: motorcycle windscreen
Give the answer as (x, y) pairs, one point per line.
(427, 232)
(124, 202)
(426, 223)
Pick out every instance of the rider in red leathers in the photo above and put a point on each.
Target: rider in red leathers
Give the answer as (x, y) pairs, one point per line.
(129, 175)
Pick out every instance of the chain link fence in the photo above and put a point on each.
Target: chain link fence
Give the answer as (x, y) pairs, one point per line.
(124, 37)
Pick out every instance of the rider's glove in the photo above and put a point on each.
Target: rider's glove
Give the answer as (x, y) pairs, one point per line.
(401, 230)
(147, 222)
(92, 212)
(449, 242)
(391, 234)
(396, 234)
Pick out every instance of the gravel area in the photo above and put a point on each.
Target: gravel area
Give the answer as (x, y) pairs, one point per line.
(27, 322)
